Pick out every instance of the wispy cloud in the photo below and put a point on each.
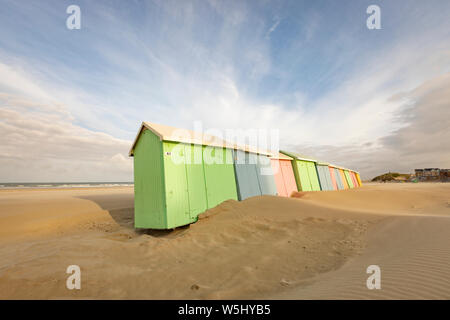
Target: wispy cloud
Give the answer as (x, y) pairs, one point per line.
(273, 27)
(41, 143)
(422, 141)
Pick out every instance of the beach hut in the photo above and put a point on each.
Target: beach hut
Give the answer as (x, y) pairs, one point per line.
(266, 177)
(354, 180)
(333, 177)
(304, 171)
(343, 178)
(348, 178)
(283, 174)
(179, 174)
(254, 174)
(324, 175)
(338, 177)
(359, 179)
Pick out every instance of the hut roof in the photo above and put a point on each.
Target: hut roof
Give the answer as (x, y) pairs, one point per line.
(297, 156)
(335, 166)
(168, 133)
(281, 156)
(338, 167)
(306, 158)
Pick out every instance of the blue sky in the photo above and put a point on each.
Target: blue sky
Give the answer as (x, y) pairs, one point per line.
(311, 69)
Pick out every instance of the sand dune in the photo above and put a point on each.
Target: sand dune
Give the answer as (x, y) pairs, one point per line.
(315, 246)
(413, 254)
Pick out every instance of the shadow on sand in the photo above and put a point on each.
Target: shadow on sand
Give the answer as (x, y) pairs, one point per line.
(121, 209)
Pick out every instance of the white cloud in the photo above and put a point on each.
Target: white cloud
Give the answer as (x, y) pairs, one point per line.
(16, 81)
(42, 144)
(422, 141)
(273, 27)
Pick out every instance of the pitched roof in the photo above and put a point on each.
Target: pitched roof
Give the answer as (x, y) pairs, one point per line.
(297, 156)
(281, 156)
(333, 166)
(306, 158)
(339, 167)
(168, 133)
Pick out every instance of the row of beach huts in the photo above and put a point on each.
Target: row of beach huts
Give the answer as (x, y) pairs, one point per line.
(179, 174)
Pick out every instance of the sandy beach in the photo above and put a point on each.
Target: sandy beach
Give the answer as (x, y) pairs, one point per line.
(316, 245)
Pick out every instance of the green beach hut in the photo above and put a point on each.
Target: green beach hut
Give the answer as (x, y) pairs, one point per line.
(305, 172)
(178, 174)
(348, 178)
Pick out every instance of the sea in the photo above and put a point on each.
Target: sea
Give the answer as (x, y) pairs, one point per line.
(44, 185)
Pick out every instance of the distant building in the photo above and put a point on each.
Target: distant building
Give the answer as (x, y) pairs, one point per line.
(444, 175)
(432, 174)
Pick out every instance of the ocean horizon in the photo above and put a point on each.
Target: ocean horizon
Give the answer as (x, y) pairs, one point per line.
(43, 185)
